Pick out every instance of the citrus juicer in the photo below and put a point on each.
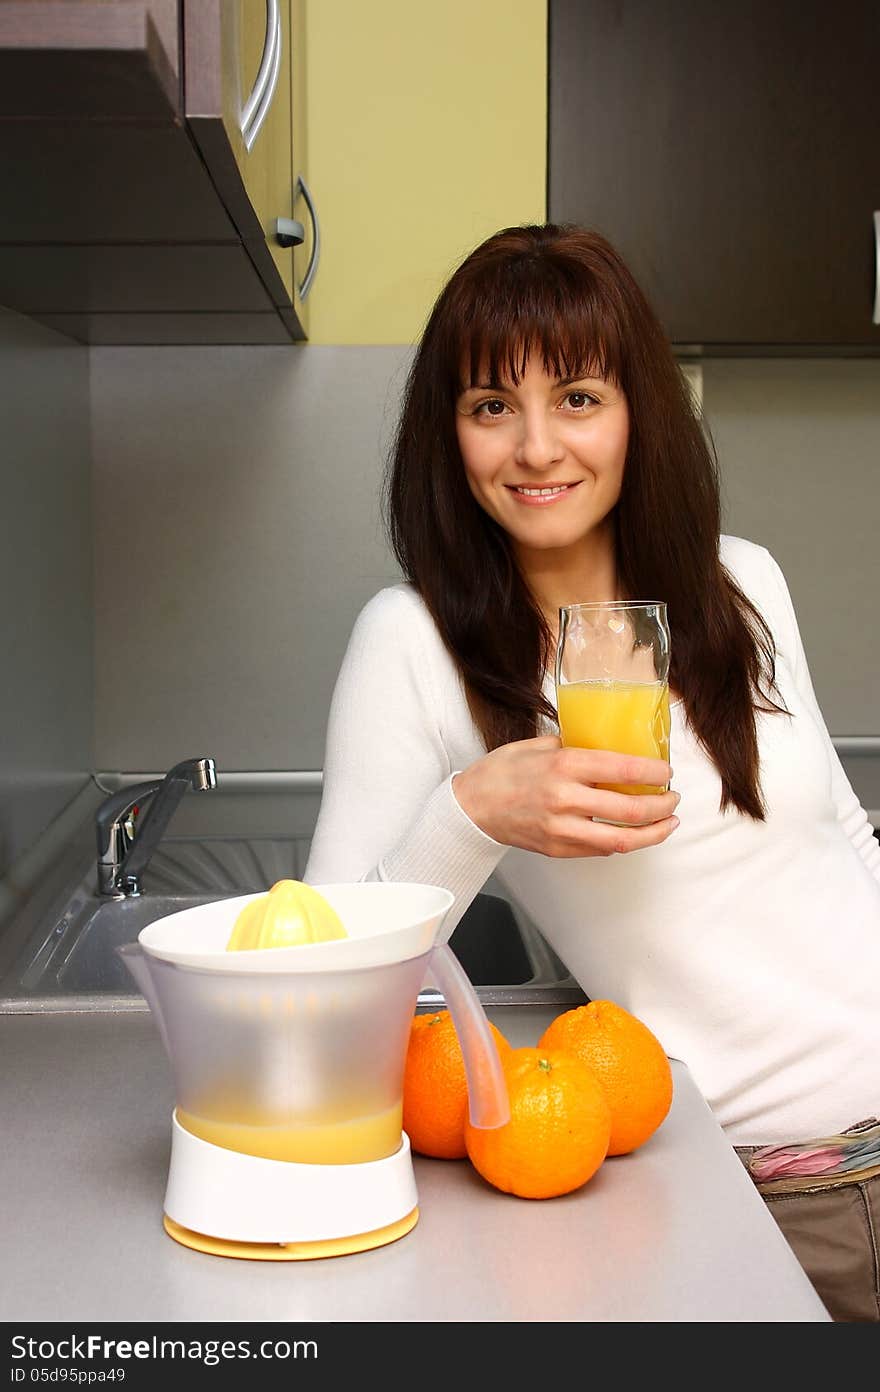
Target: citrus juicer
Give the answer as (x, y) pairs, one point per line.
(288, 1065)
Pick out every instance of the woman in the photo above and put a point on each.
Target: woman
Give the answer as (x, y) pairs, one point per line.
(548, 454)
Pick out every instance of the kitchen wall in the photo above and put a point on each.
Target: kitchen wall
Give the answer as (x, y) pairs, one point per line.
(236, 512)
(236, 506)
(46, 581)
(799, 445)
(799, 448)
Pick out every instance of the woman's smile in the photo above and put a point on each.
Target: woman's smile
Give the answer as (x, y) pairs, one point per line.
(541, 497)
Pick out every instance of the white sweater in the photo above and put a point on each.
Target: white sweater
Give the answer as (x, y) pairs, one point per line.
(751, 949)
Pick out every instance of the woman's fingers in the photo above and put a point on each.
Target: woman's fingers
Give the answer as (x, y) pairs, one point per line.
(578, 837)
(637, 809)
(596, 821)
(604, 766)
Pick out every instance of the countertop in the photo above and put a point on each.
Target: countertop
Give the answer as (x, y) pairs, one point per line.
(673, 1232)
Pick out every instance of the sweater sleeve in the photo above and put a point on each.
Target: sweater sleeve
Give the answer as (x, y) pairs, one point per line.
(388, 811)
(850, 813)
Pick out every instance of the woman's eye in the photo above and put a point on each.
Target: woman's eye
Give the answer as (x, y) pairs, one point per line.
(491, 408)
(579, 399)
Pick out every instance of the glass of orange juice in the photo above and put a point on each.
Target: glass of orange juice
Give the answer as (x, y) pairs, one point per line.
(612, 680)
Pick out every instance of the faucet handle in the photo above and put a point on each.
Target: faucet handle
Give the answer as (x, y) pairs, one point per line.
(112, 836)
(114, 810)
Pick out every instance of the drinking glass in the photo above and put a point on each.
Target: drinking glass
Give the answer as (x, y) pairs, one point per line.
(612, 681)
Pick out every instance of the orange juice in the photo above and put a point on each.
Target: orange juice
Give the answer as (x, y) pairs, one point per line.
(325, 1142)
(627, 717)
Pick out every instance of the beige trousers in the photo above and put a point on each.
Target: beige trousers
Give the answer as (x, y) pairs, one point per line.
(833, 1229)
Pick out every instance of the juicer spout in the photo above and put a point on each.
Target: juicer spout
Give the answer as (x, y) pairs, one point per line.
(488, 1104)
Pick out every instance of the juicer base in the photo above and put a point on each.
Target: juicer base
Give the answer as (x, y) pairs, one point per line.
(221, 1200)
(291, 1251)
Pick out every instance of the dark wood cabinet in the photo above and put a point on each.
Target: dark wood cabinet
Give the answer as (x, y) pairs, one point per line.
(131, 211)
(731, 152)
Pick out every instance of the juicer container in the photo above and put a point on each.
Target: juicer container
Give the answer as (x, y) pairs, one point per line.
(298, 1053)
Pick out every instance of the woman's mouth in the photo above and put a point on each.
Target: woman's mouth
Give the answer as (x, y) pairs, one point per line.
(541, 497)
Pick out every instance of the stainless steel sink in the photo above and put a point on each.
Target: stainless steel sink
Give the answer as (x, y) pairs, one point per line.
(69, 960)
(79, 956)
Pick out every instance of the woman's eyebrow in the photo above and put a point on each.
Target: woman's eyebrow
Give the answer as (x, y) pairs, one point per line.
(587, 376)
(483, 386)
(579, 377)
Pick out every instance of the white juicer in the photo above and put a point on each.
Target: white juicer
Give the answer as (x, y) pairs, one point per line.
(288, 1071)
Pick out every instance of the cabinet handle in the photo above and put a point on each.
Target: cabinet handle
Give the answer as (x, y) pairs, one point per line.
(311, 269)
(257, 106)
(876, 319)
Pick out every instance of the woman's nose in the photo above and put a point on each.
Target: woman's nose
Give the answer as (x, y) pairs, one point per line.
(539, 444)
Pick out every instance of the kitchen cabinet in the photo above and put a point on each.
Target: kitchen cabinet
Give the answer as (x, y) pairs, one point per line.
(245, 108)
(142, 213)
(731, 153)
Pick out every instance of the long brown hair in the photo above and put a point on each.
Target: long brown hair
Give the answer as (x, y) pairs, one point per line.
(564, 292)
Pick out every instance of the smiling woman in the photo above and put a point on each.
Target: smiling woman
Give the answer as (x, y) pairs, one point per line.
(548, 455)
(531, 313)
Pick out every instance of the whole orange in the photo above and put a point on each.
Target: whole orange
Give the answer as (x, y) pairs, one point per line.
(629, 1061)
(435, 1093)
(558, 1132)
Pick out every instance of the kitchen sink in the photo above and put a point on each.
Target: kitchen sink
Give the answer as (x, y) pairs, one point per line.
(79, 955)
(69, 960)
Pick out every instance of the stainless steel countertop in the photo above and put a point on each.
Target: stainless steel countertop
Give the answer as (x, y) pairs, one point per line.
(674, 1232)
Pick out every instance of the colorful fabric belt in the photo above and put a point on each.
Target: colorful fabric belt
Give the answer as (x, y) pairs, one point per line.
(852, 1155)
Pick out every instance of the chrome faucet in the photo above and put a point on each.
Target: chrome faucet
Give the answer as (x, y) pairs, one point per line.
(126, 841)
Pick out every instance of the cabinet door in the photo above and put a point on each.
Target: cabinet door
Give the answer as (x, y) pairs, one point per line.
(278, 154)
(305, 256)
(731, 152)
(266, 164)
(238, 105)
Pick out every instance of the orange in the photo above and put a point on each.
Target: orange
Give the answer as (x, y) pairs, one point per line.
(558, 1132)
(435, 1094)
(629, 1061)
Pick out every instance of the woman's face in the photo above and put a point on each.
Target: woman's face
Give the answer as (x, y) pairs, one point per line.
(545, 458)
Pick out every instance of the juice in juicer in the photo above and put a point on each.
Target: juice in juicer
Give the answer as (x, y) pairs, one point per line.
(288, 1066)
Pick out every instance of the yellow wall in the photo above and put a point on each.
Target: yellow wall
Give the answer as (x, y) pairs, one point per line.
(426, 131)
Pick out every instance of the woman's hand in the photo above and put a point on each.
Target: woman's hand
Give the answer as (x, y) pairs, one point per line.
(542, 797)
